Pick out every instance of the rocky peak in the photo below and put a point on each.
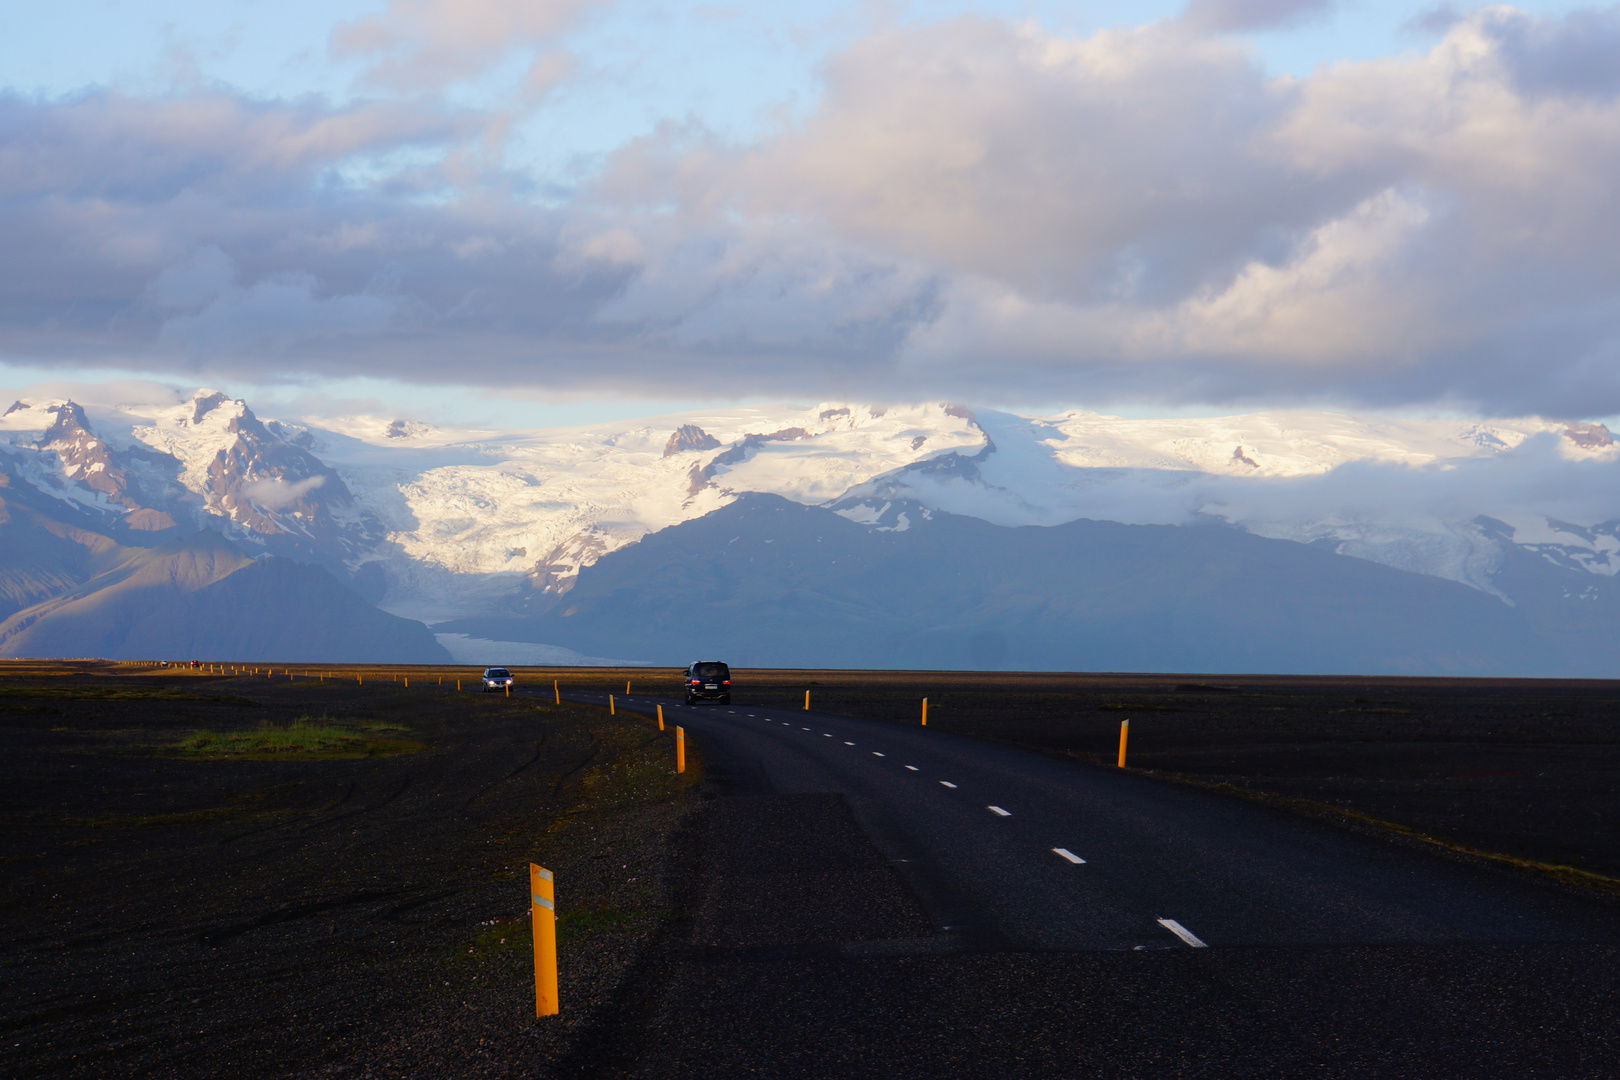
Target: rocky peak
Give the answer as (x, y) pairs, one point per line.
(689, 437)
(406, 429)
(1588, 436)
(71, 425)
(85, 458)
(205, 402)
(88, 462)
(278, 495)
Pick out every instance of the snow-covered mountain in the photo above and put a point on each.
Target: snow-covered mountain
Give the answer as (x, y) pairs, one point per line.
(444, 523)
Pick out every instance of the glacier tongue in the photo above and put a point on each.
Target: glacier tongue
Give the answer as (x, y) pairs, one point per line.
(485, 652)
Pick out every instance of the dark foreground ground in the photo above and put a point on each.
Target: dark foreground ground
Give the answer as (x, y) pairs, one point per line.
(357, 911)
(167, 913)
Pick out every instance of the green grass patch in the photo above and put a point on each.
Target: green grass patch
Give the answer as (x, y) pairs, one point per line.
(304, 738)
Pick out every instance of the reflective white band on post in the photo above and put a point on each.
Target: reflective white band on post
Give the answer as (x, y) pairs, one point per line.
(1183, 933)
(542, 901)
(543, 872)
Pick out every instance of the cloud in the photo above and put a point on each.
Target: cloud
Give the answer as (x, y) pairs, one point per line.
(1142, 213)
(417, 45)
(223, 234)
(274, 494)
(973, 208)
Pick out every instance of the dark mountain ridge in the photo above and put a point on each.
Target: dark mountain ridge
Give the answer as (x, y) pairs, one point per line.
(767, 582)
(195, 597)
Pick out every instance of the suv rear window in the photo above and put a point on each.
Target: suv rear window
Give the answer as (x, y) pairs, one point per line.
(711, 671)
(497, 673)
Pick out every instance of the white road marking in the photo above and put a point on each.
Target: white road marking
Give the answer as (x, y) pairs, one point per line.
(998, 810)
(1183, 933)
(849, 744)
(807, 729)
(913, 768)
(826, 734)
(948, 784)
(1067, 854)
(876, 753)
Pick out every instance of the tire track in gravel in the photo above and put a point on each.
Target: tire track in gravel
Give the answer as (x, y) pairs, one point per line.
(534, 759)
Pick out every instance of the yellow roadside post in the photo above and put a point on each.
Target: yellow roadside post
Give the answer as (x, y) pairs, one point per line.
(925, 712)
(660, 718)
(543, 908)
(407, 682)
(627, 688)
(807, 701)
(556, 691)
(458, 686)
(680, 749)
(1124, 730)
(508, 689)
(610, 706)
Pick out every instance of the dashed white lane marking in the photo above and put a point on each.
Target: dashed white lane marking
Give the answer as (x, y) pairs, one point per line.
(948, 784)
(878, 753)
(1071, 856)
(826, 734)
(849, 744)
(998, 810)
(806, 729)
(1183, 933)
(913, 768)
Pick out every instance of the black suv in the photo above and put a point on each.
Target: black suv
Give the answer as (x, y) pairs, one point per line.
(708, 680)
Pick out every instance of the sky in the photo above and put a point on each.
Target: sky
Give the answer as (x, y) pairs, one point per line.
(567, 210)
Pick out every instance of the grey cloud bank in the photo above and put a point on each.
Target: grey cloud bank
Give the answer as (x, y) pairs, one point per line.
(973, 208)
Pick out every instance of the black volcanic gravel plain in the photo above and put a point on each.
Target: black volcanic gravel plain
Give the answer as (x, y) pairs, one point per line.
(359, 909)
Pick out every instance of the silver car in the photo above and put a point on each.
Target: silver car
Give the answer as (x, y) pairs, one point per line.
(496, 678)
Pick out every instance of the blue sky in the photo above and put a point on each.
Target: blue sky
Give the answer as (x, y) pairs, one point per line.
(602, 208)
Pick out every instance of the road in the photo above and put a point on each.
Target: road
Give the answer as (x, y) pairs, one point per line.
(1323, 946)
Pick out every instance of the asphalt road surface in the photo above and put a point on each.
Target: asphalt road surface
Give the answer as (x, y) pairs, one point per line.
(899, 901)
